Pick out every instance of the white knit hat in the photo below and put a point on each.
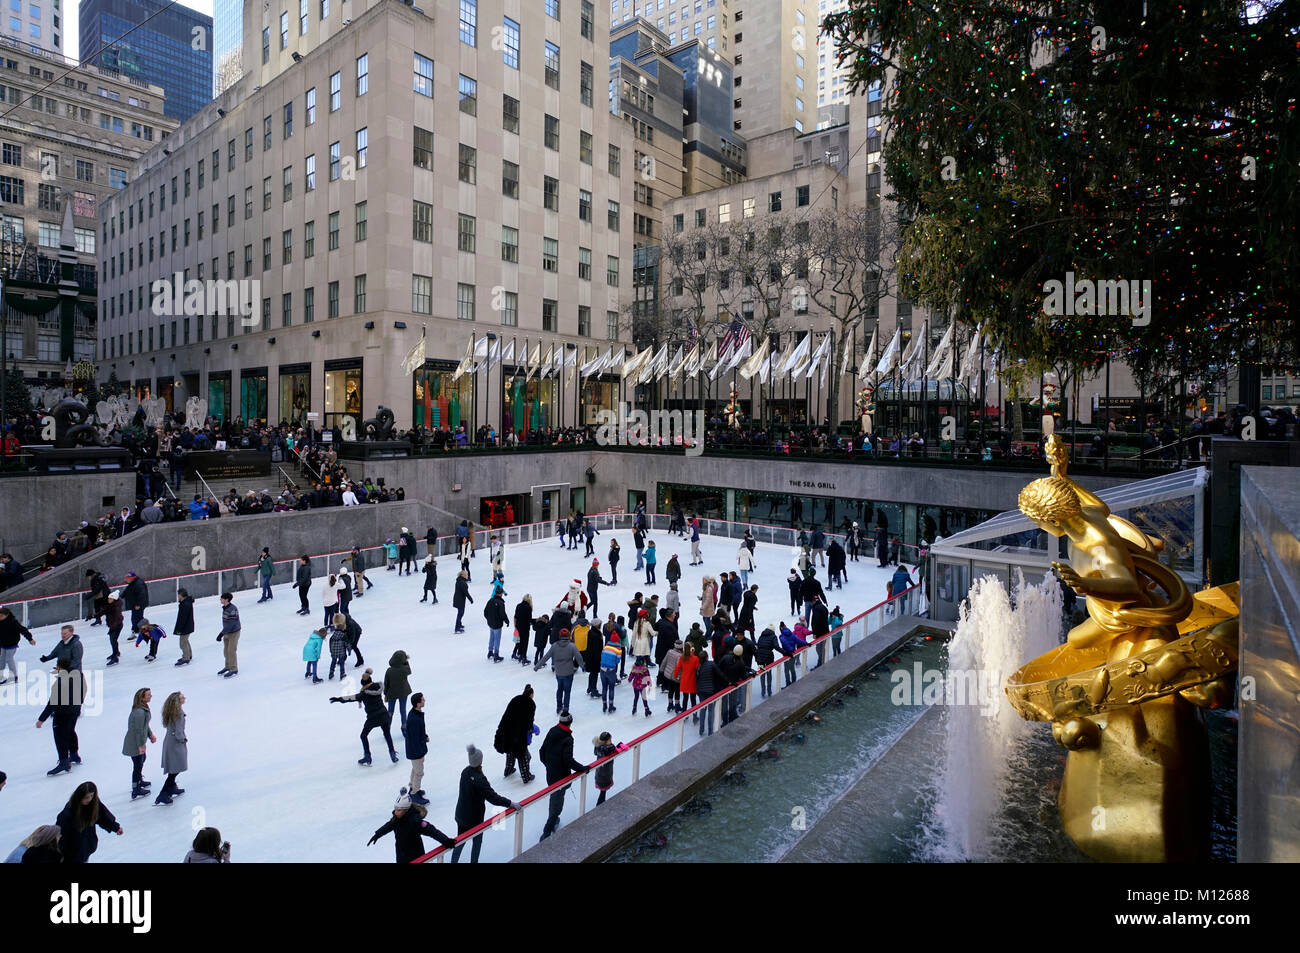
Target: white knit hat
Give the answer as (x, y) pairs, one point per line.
(115, 594)
(403, 802)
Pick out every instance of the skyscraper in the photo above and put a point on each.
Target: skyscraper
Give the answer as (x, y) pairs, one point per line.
(151, 41)
(38, 22)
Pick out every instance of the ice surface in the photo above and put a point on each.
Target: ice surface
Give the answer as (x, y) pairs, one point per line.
(273, 764)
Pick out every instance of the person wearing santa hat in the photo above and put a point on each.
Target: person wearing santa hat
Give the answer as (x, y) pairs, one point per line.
(575, 597)
(594, 582)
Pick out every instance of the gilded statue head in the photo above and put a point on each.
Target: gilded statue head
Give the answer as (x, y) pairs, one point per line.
(1049, 500)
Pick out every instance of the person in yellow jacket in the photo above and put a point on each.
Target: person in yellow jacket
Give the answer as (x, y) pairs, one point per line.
(580, 629)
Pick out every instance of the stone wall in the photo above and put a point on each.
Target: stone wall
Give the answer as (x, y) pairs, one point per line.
(34, 507)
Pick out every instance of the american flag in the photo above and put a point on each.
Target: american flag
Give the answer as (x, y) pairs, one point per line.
(735, 337)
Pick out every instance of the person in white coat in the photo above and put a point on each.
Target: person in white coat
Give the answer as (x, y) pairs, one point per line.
(330, 597)
(643, 634)
(745, 560)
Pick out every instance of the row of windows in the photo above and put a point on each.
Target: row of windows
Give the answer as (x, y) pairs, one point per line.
(509, 36)
(802, 197)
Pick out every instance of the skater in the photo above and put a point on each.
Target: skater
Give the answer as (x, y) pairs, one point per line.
(612, 559)
(208, 848)
(330, 597)
(41, 846)
(541, 637)
(710, 681)
(113, 618)
(882, 546)
(99, 593)
(640, 682)
(567, 660)
(302, 582)
(498, 558)
(345, 591)
(604, 746)
(11, 632)
(673, 571)
(590, 533)
(229, 635)
(515, 731)
(459, 598)
(311, 654)
(406, 552)
(390, 554)
(353, 629)
(818, 545)
(371, 698)
(557, 756)
(430, 579)
(900, 583)
(734, 671)
(668, 674)
(811, 591)
(696, 558)
(685, 674)
(638, 540)
(765, 654)
(133, 745)
(611, 657)
(594, 582)
(135, 599)
(78, 820)
(431, 542)
(175, 751)
(895, 548)
(67, 691)
(708, 603)
(835, 564)
(183, 628)
(673, 600)
(795, 582)
(265, 572)
(417, 746)
(154, 633)
(745, 560)
(397, 686)
(725, 595)
(836, 622)
(523, 629)
(358, 560)
(471, 804)
(68, 646)
(790, 643)
(561, 530)
(855, 541)
(642, 639)
(339, 647)
(494, 614)
(650, 559)
(409, 828)
(592, 650)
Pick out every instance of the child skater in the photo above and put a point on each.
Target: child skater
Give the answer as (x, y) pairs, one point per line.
(311, 655)
(640, 679)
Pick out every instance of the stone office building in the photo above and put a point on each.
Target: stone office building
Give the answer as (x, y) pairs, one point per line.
(381, 171)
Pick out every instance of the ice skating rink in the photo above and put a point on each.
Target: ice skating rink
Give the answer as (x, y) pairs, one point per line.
(273, 764)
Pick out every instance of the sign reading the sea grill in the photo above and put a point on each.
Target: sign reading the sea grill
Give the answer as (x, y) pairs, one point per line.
(229, 464)
(813, 484)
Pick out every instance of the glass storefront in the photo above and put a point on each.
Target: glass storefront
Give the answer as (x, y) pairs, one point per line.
(915, 522)
(219, 395)
(598, 395)
(529, 406)
(295, 392)
(252, 394)
(343, 393)
(437, 401)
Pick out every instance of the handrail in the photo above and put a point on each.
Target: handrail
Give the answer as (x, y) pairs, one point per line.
(438, 852)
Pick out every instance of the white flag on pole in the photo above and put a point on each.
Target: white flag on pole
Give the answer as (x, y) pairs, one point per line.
(890, 357)
(414, 357)
(941, 354)
(818, 356)
(865, 368)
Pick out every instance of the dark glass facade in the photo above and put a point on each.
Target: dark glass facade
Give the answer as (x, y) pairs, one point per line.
(162, 51)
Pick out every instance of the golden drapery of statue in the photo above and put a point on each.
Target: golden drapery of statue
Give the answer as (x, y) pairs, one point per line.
(1122, 694)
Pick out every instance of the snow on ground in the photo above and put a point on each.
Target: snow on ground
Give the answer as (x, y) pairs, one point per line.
(273, 764)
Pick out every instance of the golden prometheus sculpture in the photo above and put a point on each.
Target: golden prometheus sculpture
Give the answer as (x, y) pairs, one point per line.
(1123, 693)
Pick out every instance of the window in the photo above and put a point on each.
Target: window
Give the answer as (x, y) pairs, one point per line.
(612, 216)
(423, 75)
(468, 164)
(336, 91)
(550, 314)
(552, 65)
(510, 309)
(308, 239)
(361, 221)
(584, 205)
(748, 211)
(333, 300)
(551, 193)
(85, 238)
(117, 178)
(798, 104)
(586, 83)
(552, 133)
(615, 159)
(421, 294)
(311, 107)
(835, 198)
(286, 183)
(724, 213)
(510, 44)
(266, 134)
(248, 147)
(266, 253)
(359, 294)
(85, 171)
(464, 302)
(286, 246)
(469, 22)
(423, 148)
(509, 179)
(266, 193)
(774, 201)
(465, 232)
(308, 305)
(266, 45)
(11, 154)
(553, 9)
(421, 221)
(584, 264)
(679, 223)
(310, 174)
(584, 147)
(550, 254)
(284, 31)
(363, 73)
(468, 96)
(48, 234)
(334, 230)
(701, 218)
(509, 244)
(363, 139)
(588, 20)
(47, 198)
(801, 196)
(510, 114)
(584, 320)
(248, 260)
(248, 203)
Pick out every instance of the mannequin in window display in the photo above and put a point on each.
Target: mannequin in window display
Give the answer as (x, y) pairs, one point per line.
(419, 405)
(353, 391)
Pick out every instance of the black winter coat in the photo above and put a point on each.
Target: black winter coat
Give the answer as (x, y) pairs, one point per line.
(811, 589)
(523, 621)
(461, 594)
(557, 754)
(494, 613)
(820, 620)
(184, 617)
(475, 792)
(709, 678)
(541, 633)
(560, 619)
(302, 578)
(409, 832)
(665, 636)
(11, 630)
(431, 577)
(77, 846)
(835, 558)
(733, 669)
(99, 586)
(765, 647)
(371, 698)
(135, 595)
(417, 741)
(516, 724)
(595, 645)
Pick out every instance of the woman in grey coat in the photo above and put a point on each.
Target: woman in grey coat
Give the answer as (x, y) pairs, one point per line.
(133, 745)
(175, 752)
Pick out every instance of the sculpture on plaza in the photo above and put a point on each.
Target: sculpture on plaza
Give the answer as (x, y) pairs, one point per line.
(196, 413)
(73, 424)
(117, 411)
(380, 426)
(732, 411)
(1122, 693)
